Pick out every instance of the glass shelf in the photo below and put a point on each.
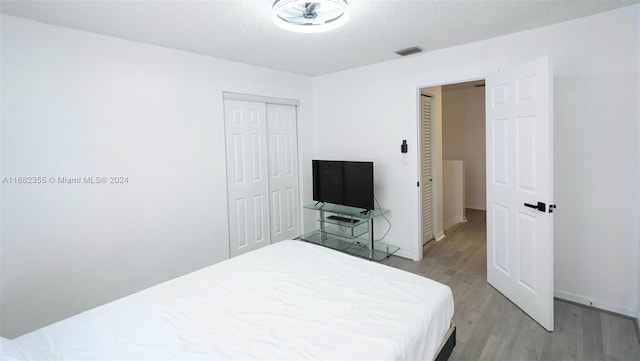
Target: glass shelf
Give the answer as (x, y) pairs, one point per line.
(355, 223)
(355, 247)
(346, 229)
(346, 210)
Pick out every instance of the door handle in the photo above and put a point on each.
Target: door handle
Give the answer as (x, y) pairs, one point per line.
(542, 207)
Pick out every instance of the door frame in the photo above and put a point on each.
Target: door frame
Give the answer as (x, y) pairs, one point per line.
(258, 98)
(436, 157)
(227, 95)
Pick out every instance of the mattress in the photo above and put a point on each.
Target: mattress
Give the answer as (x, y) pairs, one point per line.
(290, 300)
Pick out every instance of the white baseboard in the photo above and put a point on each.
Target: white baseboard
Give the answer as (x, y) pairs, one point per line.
(439, 236)
(403, 254)
(587, 301)
(453, 221)
(476, 208)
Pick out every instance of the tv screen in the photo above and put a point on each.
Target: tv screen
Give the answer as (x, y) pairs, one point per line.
(343, 182)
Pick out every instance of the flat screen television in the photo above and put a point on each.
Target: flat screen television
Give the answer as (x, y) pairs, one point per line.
(343, 182)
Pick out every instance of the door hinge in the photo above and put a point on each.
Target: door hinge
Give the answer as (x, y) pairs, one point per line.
(417, 184)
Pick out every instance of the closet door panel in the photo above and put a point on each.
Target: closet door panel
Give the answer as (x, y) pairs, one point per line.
(426, 183)
(283, 174)
(247, 179)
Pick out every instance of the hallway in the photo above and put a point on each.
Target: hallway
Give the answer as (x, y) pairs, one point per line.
(464, 247)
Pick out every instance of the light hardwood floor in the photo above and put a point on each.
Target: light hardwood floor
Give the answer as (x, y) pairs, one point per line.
(490, 327)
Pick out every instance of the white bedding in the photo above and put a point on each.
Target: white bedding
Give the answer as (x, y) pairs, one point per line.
(290, 300)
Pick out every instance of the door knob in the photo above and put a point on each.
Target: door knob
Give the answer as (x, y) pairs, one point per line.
(542, 207)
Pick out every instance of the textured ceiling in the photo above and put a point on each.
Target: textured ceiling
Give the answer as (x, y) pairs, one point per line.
(243, 30)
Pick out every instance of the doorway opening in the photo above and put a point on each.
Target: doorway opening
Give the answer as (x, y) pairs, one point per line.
(453, 159)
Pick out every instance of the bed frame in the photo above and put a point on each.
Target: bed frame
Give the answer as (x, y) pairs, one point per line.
(447, 346)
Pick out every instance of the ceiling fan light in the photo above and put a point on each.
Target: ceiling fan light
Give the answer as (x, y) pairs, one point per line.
(301, 16)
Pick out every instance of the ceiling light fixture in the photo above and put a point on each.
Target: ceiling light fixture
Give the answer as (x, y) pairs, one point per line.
(310, 16)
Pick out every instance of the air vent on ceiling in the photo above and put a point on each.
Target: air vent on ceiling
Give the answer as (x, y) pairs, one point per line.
(409, 51)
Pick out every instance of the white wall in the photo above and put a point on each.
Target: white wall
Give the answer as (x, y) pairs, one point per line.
(453, 175)
(463, 119)
(79, 104)
(366, 112)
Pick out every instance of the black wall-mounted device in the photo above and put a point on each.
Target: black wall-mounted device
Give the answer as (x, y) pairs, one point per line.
(404, 146)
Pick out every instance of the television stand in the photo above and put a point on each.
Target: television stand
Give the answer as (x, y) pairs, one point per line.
(349, 230)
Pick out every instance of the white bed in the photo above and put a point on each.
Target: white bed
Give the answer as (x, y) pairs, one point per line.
(291, 300)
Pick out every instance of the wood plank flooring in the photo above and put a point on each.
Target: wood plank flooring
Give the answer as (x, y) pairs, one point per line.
(490, 327)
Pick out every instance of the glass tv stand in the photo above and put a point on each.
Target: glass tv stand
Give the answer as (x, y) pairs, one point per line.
(349, 230)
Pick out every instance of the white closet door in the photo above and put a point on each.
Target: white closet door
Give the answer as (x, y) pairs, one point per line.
(427, 221)
(247, 181)
(283, 172)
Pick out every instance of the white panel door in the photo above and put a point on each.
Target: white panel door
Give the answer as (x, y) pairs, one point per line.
(247, 182)
(519, 171)
(283, 172)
